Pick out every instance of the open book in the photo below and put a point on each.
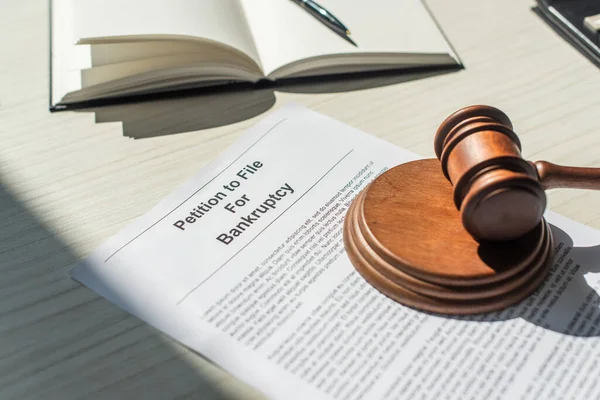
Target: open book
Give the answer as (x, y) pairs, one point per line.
(110, 48)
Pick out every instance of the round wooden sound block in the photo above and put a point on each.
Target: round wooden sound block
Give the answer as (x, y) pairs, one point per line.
(404, 235)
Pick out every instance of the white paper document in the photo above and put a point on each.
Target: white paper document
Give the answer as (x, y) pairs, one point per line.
(245, 264)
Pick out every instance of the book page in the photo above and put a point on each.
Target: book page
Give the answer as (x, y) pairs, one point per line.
(285, 33)
(223, 21)
(64, 56)
(245, 264)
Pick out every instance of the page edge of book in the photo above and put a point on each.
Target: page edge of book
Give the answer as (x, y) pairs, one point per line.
(454, 53)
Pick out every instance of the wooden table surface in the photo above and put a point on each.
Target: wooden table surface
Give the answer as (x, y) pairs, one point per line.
(70, 180)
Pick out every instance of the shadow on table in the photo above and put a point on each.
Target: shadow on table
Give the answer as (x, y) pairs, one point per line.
(194, 110)
(174, 113)
(577, 312)
(59, 340)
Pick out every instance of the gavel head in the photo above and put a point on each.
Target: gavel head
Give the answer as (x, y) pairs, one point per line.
(498, 193)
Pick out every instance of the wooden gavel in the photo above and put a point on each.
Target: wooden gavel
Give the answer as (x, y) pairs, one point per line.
(500, 195)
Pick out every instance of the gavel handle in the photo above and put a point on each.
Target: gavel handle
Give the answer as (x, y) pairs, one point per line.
(557, 176)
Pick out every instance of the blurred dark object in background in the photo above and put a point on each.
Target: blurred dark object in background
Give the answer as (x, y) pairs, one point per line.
(567, 19)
